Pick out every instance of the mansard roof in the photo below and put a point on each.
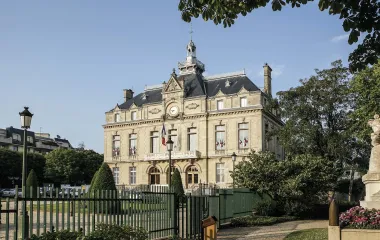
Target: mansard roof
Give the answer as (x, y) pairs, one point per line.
(195, 85)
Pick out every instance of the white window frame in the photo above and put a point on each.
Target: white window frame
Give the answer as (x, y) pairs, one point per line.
(117, 117)
(220, 130)
(154, 140)
(241, 140)
(192, 133)
(116, 173)
(219, 173)
(243, 102)
(133, 115)
(132, 175)
(116, 147)
(132, 149)
(219, 104)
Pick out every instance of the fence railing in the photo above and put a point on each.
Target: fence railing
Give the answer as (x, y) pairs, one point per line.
(157, 210)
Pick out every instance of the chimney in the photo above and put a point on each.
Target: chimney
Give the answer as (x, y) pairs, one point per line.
(267, 79)
(128, 94)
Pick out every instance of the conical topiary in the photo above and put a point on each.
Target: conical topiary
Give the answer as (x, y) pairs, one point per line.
(31, 181)
(177, 185)
(93, 181)
(103, 179)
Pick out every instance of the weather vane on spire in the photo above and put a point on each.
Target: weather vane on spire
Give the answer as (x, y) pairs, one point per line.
(191, 31)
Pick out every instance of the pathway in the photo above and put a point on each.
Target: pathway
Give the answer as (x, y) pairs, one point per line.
(274, 232)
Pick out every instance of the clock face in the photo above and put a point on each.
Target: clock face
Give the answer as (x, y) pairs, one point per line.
(174, 111)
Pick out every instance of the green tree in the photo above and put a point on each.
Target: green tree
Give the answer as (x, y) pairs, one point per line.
(71, 166)
(177, 185)
(37, 162)
(10, 166)
(316, 116)
(359, 17)
(104, 179)
(297, 181)
(31, 182)
(93, 181)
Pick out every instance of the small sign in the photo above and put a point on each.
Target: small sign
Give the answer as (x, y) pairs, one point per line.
(209, 228)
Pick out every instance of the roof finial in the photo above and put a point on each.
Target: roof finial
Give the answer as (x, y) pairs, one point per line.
(191, 31)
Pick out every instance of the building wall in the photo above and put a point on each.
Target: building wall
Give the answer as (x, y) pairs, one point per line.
(200, 113)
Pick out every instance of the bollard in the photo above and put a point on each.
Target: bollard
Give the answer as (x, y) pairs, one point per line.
(333, 214)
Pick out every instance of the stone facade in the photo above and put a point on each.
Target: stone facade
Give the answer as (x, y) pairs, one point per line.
(209, 118)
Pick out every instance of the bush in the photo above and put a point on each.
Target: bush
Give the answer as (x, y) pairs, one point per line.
(31, 182)
(266, 208)
(115, 232)
(250, 221)
(61, 235)
(360, 218)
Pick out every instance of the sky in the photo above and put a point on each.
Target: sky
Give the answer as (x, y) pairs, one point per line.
(69, 61)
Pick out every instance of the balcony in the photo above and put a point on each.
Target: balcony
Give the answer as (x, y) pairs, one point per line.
(175, 155)
(5, 140)
(46, 145)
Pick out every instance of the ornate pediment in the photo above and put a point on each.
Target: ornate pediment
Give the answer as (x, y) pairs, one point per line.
(173, 85)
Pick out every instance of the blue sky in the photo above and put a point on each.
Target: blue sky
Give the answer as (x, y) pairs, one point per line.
(69, 60)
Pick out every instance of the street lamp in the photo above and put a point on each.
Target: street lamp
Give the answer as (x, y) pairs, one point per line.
(169, 146)
(233, 156)
(26, 120)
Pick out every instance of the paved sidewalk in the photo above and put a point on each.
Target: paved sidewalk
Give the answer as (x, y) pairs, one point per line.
(274, 232)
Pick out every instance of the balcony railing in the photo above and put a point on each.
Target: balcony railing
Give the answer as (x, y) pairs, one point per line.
(45, 146)
(175, 155)
(5, 140)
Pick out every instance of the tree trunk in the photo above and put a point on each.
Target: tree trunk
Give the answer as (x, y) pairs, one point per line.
(351, 185)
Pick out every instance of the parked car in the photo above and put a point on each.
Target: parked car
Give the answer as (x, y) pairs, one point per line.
(8, 192)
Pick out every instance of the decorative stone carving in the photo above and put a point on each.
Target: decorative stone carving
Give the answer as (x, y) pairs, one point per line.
(192, 106)
(155, 111)
(372, 178)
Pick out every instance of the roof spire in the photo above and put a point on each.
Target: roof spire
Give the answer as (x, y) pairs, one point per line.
(191, 31)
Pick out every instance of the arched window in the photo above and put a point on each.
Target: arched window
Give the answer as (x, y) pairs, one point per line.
(192, 176)
(154, 176)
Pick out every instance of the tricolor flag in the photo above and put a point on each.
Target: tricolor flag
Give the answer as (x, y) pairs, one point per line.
(163, 135)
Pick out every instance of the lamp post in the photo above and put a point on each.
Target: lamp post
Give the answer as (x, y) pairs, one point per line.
(26, 120)
(169, 146)
(233, 156)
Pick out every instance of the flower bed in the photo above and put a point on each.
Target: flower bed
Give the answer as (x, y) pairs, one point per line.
(360, 218)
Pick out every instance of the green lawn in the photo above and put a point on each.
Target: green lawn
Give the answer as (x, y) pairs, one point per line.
(310, 234)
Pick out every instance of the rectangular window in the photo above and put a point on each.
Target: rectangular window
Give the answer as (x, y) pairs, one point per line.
(220, 104)
(220, 137)
(220, 172)
(154, 142)
(243, 102)
(132, 144)
(16, 137)
(243, 136)
(29, 139)
(132, 175)
(266, 137)
(174, 137)
(117, 117)
(116, 146)
(115, 172)
(192, 139)
(133, 116)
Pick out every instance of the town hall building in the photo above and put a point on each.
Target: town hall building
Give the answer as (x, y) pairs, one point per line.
(208, 117)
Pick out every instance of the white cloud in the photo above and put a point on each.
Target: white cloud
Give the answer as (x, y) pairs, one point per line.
(339, 38)
(277, 70)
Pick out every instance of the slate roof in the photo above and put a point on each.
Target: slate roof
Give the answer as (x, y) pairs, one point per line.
(195, 86)
(11, 130)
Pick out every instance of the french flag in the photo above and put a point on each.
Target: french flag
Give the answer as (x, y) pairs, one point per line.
(163, 135)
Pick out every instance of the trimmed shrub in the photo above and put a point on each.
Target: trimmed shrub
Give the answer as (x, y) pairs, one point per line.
(266, 208)
(31, 181)
(60, 235)
(250, 221)
(93, 181)
(116, 232)
(177, 185)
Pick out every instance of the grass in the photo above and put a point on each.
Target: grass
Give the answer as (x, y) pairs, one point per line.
(310, 234)
(250, 221)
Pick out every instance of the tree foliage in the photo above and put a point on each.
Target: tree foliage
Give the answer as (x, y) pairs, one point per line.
(71, 166)
(358, 17)
(316, 116)
(297, 180)
(104, 179)
(31, 182)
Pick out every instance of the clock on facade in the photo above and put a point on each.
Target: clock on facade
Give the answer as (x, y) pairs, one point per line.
(174, 111)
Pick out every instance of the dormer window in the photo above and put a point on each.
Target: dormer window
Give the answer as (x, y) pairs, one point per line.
(144, 96)
(117, 117)
(30, 139)
(243, 102)
(16, 137)
(228, 83)
(133, 116)
(220, 104)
